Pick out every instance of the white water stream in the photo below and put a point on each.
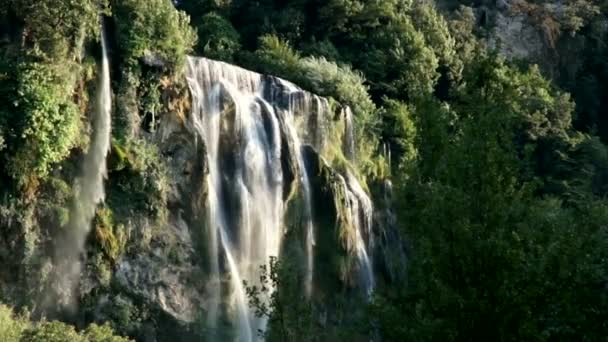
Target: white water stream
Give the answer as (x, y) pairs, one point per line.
(243, 131)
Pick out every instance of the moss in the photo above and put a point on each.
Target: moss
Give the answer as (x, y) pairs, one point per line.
(138, 181)
(110, 237)
(118, 157)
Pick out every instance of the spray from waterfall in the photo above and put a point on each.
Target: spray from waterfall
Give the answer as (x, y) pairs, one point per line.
(89, 187)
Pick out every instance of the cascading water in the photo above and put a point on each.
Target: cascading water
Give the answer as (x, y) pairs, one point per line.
(252, 162)
(308, 218)
(90, 185)
(249, 123)
(349, 136)
(361, 211)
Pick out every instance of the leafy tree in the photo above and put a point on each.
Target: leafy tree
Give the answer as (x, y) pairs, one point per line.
(541, 112)
(217, 38)
(11, 326)
(51, 332)
(279, 299)
(153, 30)
(55, 28)
(582, 69)
(318, 75)
(491, 259)
(102, 333)
(399, 132)
(47, 120)
(277, 57)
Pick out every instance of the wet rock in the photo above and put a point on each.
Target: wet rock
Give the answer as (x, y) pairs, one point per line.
(164, 277)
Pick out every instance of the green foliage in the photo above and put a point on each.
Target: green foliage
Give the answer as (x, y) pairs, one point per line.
(217, 38)
(277, 57)
(503, 200)
(46, 118)
(323, 48)
(583, 70)
(153, 30)
(320, 76)
(51, 332)
(18, 328)
(462, 28)
(102, 333)
(323, 77)
(11, 325)
(492, 260)
(273, 299)
(584, 170)
(435, 30)
(542, 114)
(398, 45)
(55, 28)
(544, 111)
(398, 64)
(343, 84)
(110, 237)
(399, 131)
(138, 180)
(126, 119)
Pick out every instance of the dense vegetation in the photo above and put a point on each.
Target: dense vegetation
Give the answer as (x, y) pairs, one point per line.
(500, 166)
(16, 328)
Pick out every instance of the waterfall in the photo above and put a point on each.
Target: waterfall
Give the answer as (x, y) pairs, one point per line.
(243, 145)
(307, 215)
(349, 134)
(89, 187)
(250, 125)
(361, 211)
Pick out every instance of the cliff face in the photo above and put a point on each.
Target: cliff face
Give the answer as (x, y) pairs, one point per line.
(235, 168)
(536, 32)
(212, 171)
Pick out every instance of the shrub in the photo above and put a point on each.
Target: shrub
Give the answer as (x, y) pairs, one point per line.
(341, 82)
(11, 326)
(138, 179)
(18, 328)
(399, 131)
(47, 120)
(217, 38)
(153, 29)
(276, 57)
(56, 27)
(51, 332)
(102, 333)
(320, 76)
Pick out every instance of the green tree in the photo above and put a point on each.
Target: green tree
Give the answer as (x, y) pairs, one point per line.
(153, 30)
(102, 333)
(54, 28)
(399, 132)
(279, 299)
(491, 259)
(217, 38)
(51, 332)
(47, 119)
(11, 325)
